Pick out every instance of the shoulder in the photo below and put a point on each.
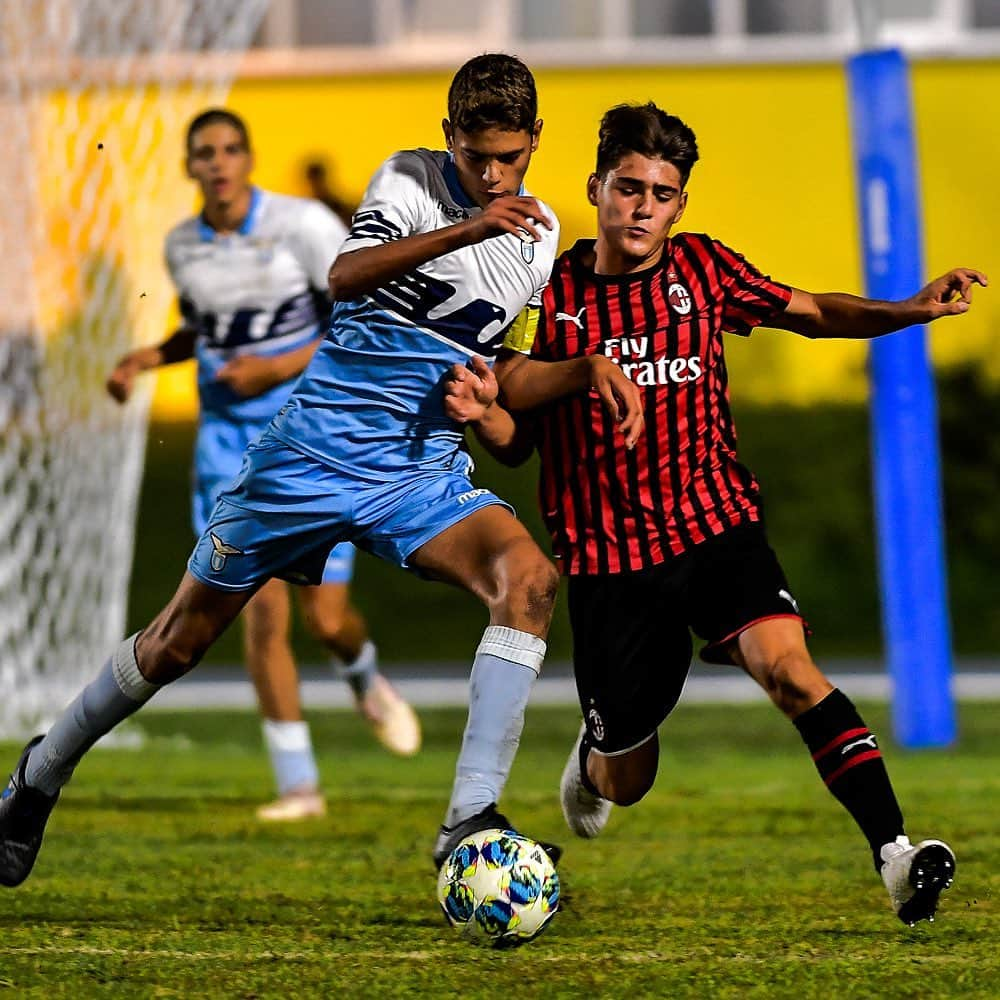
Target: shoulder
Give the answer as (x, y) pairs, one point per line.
(418, 165)
(184, 234)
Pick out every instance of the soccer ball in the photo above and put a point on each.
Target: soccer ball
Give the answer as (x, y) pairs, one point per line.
(498, 887)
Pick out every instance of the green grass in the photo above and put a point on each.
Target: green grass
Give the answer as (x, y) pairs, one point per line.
(739, 876)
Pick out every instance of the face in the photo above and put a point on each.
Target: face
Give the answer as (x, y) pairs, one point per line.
(492, 162)
(637, 201)
(220, 162)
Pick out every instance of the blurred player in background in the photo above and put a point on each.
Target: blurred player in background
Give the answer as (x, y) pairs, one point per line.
(317, 176)
(250, 271)
(655, 521)
(445, 252)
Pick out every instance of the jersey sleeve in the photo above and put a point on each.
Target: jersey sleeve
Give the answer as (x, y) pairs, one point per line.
(750, 297)
(317, 241)
(395, 204)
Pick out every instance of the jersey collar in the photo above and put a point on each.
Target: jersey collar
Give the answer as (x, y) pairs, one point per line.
(207, 234)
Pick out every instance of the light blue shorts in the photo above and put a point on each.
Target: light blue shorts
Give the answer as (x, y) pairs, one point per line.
(287, 512)
(218, 459)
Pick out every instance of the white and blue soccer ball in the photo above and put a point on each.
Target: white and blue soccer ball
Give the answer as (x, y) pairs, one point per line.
(499, 887)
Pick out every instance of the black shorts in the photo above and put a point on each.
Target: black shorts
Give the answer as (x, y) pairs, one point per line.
(631, 640)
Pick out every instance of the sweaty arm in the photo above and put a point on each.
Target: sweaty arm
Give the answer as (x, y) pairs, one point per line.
(470, 397)
(357, 272)
(179, 346)
(526, 383)
(253, 374)
(836, 314)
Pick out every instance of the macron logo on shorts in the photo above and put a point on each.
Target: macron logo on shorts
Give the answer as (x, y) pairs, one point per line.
(471, 495)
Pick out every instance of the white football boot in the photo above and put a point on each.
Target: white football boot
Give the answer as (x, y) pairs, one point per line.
(298, 804)
(391, 718)
(586, 813)
(915, 876)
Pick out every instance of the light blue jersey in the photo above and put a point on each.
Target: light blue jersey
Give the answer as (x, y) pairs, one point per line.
(262, 291)
(363, 450)
(371, 401)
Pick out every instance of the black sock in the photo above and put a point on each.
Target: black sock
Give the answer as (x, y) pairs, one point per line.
(584, 777)
(850, 763)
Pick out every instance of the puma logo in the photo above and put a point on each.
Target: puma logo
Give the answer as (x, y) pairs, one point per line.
(576, 320)
(868, 740)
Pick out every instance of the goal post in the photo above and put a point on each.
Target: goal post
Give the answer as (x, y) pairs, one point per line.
(94, 99)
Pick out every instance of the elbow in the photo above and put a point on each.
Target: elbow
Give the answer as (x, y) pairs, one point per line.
(341, 284)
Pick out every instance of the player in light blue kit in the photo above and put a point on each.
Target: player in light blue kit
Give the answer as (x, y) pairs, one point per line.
(251, 273)
(446, 251)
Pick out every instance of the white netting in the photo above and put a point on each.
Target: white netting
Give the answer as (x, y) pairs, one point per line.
(94, 99)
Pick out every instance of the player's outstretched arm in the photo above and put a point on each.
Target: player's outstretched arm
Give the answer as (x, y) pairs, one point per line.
(470, 397)
(836, 314)
(251, 375)
(526, 384)
(357, 272)
(179, 346)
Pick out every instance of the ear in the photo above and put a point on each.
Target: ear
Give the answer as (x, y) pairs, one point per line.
(449, 135)
(187, 168)
(682, 201)
(536, 133)
(593, 185)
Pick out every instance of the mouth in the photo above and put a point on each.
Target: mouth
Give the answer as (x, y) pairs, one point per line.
(636, 232)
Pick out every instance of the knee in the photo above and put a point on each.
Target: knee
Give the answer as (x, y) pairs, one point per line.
(532, 588)
(325, 626)
(626, 789)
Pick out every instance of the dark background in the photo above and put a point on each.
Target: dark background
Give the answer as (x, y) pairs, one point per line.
(813, 465)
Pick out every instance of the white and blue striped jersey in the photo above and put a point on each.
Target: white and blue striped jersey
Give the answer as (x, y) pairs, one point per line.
(371, 401)
(260, 290)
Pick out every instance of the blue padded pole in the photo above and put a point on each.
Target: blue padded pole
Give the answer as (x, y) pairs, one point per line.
(907, 472)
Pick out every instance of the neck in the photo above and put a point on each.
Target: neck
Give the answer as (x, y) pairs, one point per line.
(610, 260)
(227, 217)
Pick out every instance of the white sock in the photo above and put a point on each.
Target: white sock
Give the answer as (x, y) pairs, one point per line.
(290, 748)
(503, 672)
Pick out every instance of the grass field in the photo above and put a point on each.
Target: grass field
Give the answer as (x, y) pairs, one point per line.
(739, 876)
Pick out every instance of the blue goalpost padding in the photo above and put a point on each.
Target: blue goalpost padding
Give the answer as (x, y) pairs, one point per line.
(906, 461)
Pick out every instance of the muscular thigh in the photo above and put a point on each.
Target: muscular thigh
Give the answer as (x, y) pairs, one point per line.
(631, 653)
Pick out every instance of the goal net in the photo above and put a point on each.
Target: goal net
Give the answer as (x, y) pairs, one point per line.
(94, 99)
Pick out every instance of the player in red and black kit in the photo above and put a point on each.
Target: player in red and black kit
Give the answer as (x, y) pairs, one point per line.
(652, 516)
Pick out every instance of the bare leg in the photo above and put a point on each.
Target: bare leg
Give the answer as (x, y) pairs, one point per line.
(333, 620)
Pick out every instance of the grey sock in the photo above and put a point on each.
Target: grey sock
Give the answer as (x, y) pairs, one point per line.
(506, 665)
(113, 695)
(360, 673)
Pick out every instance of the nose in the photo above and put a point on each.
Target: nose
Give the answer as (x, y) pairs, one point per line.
(491, 172)
(644, 209)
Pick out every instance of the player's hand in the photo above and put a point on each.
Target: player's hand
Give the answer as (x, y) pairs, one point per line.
(620, 395)
(122, 380)
(469, 391)
(249, 375)
(949, 295)
(517, 214)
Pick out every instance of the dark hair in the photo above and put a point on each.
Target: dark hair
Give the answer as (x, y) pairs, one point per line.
(216, 116)
(645, 129)
(493, 91)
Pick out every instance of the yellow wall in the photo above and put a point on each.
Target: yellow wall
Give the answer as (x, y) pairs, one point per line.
(775, 181)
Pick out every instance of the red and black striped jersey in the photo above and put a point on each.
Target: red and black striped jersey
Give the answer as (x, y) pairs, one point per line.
(610, 510)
